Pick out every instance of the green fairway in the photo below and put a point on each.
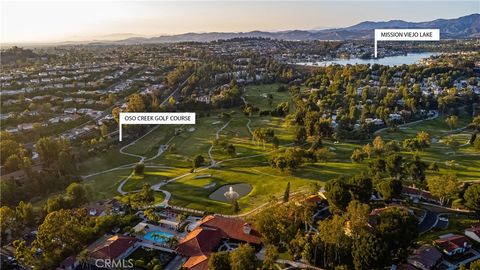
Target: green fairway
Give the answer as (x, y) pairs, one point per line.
(105, 185)
(105, 161)
(249, 163)
(153, 177)
(257, 95)
(437, 128)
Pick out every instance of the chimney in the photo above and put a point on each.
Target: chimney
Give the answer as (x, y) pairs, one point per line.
(247, 228)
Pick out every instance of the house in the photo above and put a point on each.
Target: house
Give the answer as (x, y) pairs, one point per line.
(70, 111)
(70, 263)
(417, 195)
(452, 244)
(114, 247)
(25, 126)
(103, 207)
(425, 258)
(208, 235)
(473, 233)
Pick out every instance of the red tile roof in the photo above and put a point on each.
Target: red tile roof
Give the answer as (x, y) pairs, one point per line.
(451, 243)
(419, 193)
(199, 242)
(313, 199)
(199, 262)
(231, 228)
(112, 247)
(202, 241)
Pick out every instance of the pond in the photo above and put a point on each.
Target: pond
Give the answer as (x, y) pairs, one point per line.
(411, 58)
(219, 195)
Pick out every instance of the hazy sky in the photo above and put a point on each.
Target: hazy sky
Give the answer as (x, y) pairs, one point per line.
(41, 21)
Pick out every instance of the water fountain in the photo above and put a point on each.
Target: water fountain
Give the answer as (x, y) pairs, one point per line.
(231, 194)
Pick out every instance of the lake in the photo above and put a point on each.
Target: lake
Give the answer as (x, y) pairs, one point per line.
(411, 58)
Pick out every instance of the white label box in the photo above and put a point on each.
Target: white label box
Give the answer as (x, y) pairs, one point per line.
(153, 118)
(406, 35)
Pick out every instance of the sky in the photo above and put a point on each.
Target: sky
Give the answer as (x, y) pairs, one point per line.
(70, 20)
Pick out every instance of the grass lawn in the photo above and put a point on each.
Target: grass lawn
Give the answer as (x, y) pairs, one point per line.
(437, 128)
(105, 185)
(136, 182)
(257, 95)
(148, 145)
(104, 161)
(190, 191)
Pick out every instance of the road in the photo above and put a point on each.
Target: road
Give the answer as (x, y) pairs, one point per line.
(428, 222)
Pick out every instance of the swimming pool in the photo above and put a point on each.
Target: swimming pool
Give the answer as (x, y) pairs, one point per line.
(158, 236)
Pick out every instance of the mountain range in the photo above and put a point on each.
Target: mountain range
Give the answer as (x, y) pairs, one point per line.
(462, 27)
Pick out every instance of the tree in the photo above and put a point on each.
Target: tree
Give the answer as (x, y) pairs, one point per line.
(416, 169)
(390, 189)
(423, 139)
(378, 145)
(243, 258)
(10, 224)
(394, 166)
(412, 144)
(357, 156)
(358, 215)
(368, 149)
(135, 103)
(452, 121)
(472, 197)
(443, 187)
(324, 154)
(9, 148)
(198, 160)
(370, 252)
(300, 136)
(291, 159)
(452, 143)
(24, 211)
(219, 261)
(143, 197)
(103, 130)
(271, 256)
(286, 195)
(476, 122)
(263, 135)
(12, 163)
(150, 214)
(55, 203)
(171, 101)
(361, 187)
(475, 265)
(338, 194)
(334, 244)
(398, 228)
(63, 232)
(76, 194)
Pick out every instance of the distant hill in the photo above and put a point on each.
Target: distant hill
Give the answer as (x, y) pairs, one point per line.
(463, 27)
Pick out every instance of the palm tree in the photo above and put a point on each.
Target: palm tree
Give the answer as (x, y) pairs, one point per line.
(172, 241)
